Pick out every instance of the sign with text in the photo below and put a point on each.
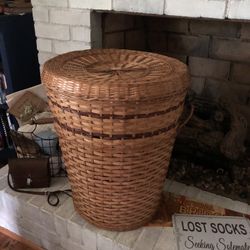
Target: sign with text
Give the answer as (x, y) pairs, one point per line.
(211, 232)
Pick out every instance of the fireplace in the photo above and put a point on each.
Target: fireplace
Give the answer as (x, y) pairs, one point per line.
(216, 157)
(211, 37)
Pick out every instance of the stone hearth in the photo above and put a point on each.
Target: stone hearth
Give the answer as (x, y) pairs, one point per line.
(61, 228)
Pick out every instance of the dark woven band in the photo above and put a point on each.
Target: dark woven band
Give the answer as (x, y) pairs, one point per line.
(115, 137)
(118, 117)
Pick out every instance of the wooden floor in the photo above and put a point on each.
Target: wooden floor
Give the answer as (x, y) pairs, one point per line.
(11, 241)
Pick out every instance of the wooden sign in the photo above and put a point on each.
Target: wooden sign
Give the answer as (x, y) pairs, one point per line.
(211, 232)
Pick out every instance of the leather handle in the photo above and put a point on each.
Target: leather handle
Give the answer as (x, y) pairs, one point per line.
(187, 119)
(50, 194)
(42, 121)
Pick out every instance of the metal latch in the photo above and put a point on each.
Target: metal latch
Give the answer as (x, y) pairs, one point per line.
(28, 181)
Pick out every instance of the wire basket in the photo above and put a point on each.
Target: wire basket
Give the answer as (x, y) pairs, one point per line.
(31, 145)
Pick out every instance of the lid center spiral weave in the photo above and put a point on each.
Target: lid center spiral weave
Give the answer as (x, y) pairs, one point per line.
(118, 69)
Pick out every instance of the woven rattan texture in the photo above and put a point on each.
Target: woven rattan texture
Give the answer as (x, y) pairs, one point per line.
(116, 113)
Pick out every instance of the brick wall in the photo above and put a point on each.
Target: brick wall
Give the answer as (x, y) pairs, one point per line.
(65, 25)
(217, 52)
(123, 31)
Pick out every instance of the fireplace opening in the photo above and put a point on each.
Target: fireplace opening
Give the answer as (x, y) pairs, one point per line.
(212, 151)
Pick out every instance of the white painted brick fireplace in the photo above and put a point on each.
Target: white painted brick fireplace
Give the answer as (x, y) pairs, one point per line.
(66, 25)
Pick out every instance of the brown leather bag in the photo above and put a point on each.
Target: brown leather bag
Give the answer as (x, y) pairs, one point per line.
(33, 173)
(29, 172)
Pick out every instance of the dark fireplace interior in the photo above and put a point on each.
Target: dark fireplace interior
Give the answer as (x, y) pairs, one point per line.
(212, 151)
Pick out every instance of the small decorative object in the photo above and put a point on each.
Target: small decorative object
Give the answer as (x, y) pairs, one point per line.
(27, 106)
(17, 7)
(117, 114)
(3, 88)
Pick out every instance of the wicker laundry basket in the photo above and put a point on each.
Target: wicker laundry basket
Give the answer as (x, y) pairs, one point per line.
(116, 115)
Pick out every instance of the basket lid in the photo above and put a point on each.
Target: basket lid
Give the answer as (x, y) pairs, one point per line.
(115, 74)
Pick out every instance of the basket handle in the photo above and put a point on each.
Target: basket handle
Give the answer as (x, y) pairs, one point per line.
(185, 121)
(42, 121)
